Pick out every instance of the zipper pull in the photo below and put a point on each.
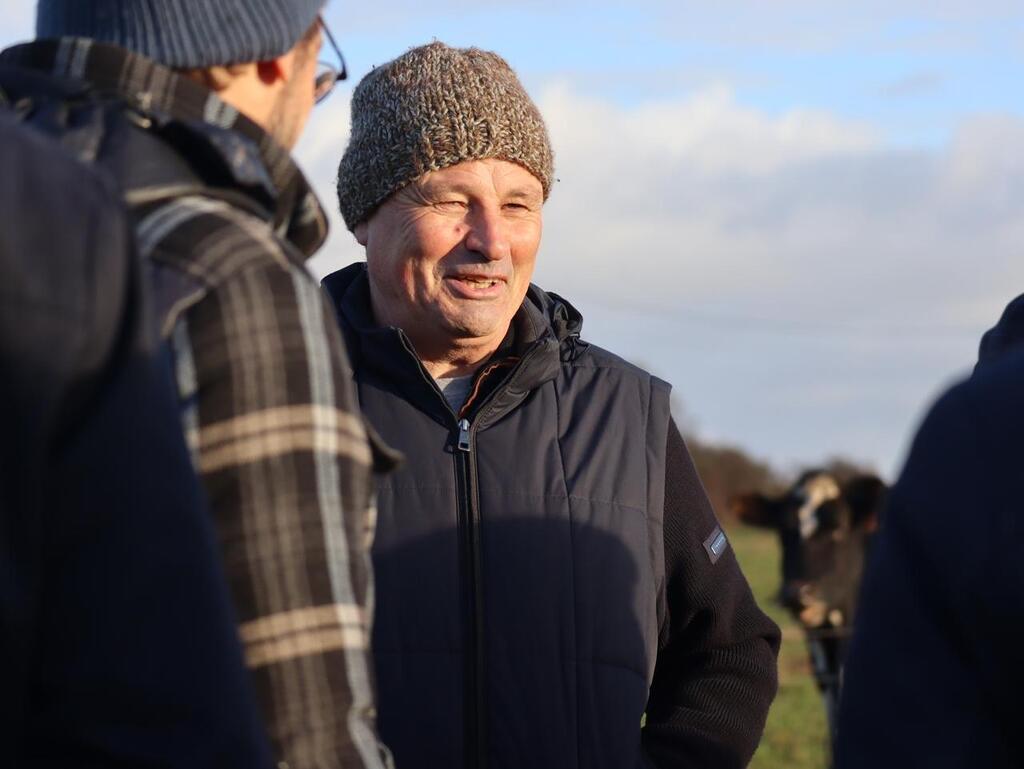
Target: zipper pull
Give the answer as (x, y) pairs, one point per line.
(463, 443)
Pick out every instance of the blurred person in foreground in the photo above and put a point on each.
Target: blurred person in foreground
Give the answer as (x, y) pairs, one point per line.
(193, 106)
(548, 565)
(1007, 334)
(117, 641)
(934, 676)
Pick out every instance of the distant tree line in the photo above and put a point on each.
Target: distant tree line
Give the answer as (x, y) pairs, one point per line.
(728, 470)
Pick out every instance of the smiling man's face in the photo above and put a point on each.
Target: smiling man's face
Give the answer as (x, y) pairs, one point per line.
(450, 256)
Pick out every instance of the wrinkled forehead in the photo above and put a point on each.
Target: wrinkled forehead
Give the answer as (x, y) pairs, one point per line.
(497, 175)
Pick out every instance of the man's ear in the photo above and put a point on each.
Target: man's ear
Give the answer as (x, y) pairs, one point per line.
(361, 232)
(216, 79)
(274, 70)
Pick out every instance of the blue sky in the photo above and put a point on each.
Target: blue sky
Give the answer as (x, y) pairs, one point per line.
(911, 68)
(801, 213)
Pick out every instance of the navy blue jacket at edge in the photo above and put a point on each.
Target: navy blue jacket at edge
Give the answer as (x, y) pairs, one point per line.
(934, 676)
(531, 605)
(118, 645)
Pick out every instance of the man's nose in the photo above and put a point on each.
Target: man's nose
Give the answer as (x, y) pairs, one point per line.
(488, 234)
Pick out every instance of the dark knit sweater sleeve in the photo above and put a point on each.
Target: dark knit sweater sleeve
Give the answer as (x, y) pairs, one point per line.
(716, 672)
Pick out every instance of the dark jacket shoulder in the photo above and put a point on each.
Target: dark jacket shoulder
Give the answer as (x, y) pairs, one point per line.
(62, 299)
(1006, 335)
(102, 527)
(945, 592)
(597, 357)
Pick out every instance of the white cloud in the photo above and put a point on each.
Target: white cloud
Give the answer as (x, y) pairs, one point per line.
(709, 132)
(710, 202)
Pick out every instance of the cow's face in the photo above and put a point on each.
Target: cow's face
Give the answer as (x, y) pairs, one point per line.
(823, 537)
(813, 529)
(814, 510)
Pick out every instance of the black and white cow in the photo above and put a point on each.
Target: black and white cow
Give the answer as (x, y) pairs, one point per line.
(825, 528)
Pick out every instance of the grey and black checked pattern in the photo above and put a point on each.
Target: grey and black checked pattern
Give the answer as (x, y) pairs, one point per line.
(285, 462)
(269, 412)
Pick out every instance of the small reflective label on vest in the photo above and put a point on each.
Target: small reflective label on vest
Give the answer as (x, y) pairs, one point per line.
(716, 544)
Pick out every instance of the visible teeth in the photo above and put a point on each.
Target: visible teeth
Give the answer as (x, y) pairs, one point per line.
(482, 283)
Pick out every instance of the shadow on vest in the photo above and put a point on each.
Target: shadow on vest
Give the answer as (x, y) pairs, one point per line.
(562, 661)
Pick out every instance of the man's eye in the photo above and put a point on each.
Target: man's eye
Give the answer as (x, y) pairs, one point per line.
(451, 203)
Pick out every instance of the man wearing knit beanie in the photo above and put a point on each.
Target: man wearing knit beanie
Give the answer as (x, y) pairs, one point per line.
(192, 106)
(548, 566)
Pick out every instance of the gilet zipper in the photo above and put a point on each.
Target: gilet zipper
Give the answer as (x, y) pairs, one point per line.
(469, 523)
(469, 520)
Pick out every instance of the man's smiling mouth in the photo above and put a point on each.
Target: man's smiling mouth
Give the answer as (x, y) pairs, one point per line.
(476, 286)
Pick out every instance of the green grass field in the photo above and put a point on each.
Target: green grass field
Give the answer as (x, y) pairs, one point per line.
(796, 732)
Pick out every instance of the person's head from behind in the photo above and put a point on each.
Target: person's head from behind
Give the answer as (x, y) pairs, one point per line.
(259, 56)
(443, 183)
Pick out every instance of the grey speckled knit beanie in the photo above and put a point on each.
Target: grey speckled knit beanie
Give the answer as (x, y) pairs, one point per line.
(431, 108)
(184, 33)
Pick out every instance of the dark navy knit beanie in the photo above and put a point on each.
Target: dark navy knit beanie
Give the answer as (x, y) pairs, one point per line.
(184, 33)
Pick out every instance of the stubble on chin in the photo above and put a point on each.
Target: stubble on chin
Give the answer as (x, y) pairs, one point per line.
(286, 121)
(468, 322)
